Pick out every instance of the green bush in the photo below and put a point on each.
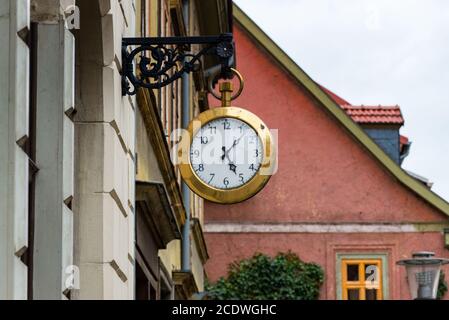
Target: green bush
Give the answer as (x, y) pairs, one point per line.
(442, 286)
(284, 277)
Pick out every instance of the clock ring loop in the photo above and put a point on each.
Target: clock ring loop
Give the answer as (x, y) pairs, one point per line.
(234, 96)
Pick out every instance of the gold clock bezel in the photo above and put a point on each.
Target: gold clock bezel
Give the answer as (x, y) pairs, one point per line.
(234, 195)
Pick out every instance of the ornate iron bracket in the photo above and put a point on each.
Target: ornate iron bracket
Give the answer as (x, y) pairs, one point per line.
(162, 60)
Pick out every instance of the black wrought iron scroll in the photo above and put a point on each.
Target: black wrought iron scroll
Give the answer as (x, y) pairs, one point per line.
(162, 60)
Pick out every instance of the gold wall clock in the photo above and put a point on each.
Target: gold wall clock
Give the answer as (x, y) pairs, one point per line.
(227, 154)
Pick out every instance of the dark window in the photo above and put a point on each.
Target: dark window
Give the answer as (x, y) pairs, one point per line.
(362, 279)
(147, 285)
(142, 284)
(353, 272)
(371, 294)
(152, 279)
(353, 294)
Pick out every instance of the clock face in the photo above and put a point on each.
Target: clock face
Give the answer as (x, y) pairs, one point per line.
(226, 153)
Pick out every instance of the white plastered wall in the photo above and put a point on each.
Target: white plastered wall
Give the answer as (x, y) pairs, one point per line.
(14, 127)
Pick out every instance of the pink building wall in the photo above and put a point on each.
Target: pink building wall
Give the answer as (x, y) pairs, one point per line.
(324, 176)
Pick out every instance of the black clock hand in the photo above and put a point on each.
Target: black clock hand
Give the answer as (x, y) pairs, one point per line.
(235, 142)
(232, 166)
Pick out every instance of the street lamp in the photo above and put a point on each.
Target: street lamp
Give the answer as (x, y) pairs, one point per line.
(423, 274)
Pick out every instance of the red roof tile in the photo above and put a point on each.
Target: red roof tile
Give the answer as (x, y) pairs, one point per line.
(368, 114)
(375, 114)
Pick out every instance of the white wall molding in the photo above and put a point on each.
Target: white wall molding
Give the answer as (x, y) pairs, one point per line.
(227, 227)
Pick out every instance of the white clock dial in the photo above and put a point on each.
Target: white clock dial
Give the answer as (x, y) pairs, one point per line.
(226, 153)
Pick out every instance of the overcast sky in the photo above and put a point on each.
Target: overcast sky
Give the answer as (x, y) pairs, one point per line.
(375, 52)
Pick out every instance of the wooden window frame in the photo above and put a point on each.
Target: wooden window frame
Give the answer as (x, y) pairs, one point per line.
(361, 284)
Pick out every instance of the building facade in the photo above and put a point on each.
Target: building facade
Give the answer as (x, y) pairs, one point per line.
(91, 205)
(339, 197)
